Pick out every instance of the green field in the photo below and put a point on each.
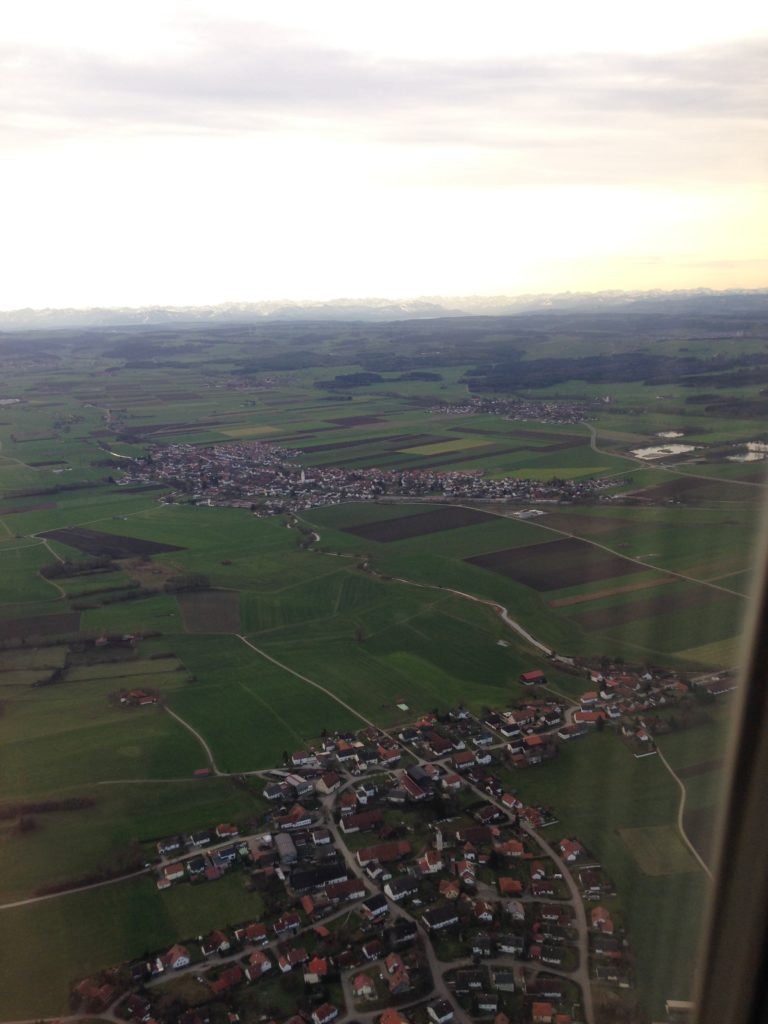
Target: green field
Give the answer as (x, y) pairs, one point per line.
(104, 835)
(441, 447)
(109, 925)
(369, 639)
(598, 791)
(659, 850)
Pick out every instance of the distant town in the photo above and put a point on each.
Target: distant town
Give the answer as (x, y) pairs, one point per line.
(270, 480)
(542, 410)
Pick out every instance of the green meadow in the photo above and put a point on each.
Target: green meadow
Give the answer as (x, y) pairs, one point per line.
(367, 638)
(600, 794)
(74, 935)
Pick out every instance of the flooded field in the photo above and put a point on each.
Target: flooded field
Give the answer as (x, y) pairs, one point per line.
(756, 451)
(661, 451)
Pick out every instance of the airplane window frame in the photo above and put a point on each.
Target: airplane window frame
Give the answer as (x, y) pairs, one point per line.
(732, 973)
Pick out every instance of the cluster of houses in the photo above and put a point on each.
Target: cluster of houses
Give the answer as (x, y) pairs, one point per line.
(440, 882)
(635, 700)
(252, 472)
(348, 831)
(482, 989)
(200, 856)
(545, 410)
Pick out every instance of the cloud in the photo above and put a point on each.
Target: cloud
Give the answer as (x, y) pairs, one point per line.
(696, 115)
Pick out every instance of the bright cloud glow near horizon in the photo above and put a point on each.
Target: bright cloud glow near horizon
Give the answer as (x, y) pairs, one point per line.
(197, 153)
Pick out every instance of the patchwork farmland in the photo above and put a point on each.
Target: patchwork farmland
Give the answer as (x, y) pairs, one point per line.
(302, 626)
(96, 542)
(425, 522)
(556, 564)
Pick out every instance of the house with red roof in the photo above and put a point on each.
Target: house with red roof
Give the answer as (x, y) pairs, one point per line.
(384, 853)
(543, 1013)
(601, 920)
(392, 1016)
(464, 760)
(510, 886)
(228, 978)
(286, 924)
(363, 987)
(352, 889)
(430, 862)
(510, 848)
(588, 717)
(328, 783)
(449, 888)
(388, 755)
(176, 957)
(227, 831)
(347, 802)
(258, 964)
(318, 965)
(570, 850)
(363, 822)
(533, 677)
(399, 983)
(216, 942)
(324, 1014)
(255, 934)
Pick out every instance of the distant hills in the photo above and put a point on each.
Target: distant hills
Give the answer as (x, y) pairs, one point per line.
(699, 300)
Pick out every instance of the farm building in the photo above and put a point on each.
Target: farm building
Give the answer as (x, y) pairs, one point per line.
(533, 677)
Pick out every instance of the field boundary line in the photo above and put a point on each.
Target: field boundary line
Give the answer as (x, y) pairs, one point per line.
(198, 737)
(602, 547)
(306, 679)
(636, 561)
(255, 696)
(681, 812)
(619, 554)
(500, 609)
(72, 892)
(49, 549)
(143, 782)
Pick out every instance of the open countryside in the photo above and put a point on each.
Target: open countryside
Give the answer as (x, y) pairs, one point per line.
(334, 691)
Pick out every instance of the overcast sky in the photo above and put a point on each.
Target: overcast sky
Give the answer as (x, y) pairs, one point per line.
(185, 153)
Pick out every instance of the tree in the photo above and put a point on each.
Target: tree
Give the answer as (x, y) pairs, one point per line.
(187, 581)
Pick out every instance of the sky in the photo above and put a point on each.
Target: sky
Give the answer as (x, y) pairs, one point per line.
(198, 152)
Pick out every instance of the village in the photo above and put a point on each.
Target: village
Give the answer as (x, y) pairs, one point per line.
(403, 879)
(268, 480)
(545, 410)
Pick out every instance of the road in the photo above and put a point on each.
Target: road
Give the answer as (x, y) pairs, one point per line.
(439, 988)
(656, 464)
(581, 975)
(539, 525)
(437, 968)
(71, 892)
(200, 739)
(306, 679)
(681, 812)
(500, 609)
